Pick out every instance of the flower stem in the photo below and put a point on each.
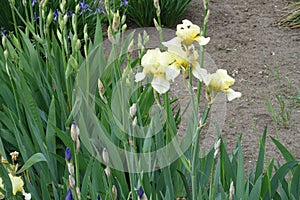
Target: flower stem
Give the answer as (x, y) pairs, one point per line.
(77, 180)
(202, 47)
(12, 7)
(211, 181)
(194, 179)
(196, 147)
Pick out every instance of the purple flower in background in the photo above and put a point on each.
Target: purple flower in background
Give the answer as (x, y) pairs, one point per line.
(99, 10)
(68, 154)
(69, 13)
(4, 32)
(33, 2)
(56, 13)
(98, 198)
(124, 3)
(69, 195)
(84, 7)
(36, 17)
(140, 192)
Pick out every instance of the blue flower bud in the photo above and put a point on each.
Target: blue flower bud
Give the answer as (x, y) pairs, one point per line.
(69, 195)
(140, 192)
(68, 154)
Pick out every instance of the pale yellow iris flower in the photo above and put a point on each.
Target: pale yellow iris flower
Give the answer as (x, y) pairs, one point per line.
(157, 63)
(187, 32)
(220, 81)
(17, 184)
(183, 57)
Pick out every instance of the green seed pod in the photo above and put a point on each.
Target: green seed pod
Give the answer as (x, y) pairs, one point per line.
(62, 6)
(4, 41)
(78, 45)
(61, 22)
(145, 37)
(130, 48)
(74, 23)
(5, 54)
(124, 27)
(65, 19)
(59, 36)
(123, 20)
(15, 41)
(49, 18)
(77, 8)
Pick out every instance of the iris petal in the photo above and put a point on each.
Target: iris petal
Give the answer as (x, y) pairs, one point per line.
(231, 94)
(139, 76)
(160, 84)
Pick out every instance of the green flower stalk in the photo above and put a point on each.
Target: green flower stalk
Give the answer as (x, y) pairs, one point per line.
(12, 7)
(195, 154)
(158, 24)
(203, 33)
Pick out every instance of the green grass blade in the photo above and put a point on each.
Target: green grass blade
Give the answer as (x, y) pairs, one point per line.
(261, 156)
(284, 151)
(240, 183)
(6, 181)
(98, 33)
(295, 184)
(208, 162)
(255, 192)
(186, 185)
(38, 157)
(86, 182)
(227, 173)
(43, 185)
(280, 175)
(283, 194)
(266, 186)
(272, 111)
(51, 137)
(168, 181)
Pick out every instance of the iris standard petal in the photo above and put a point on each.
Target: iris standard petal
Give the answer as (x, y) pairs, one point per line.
(187, 32)
(172, 72)
(200, 73)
